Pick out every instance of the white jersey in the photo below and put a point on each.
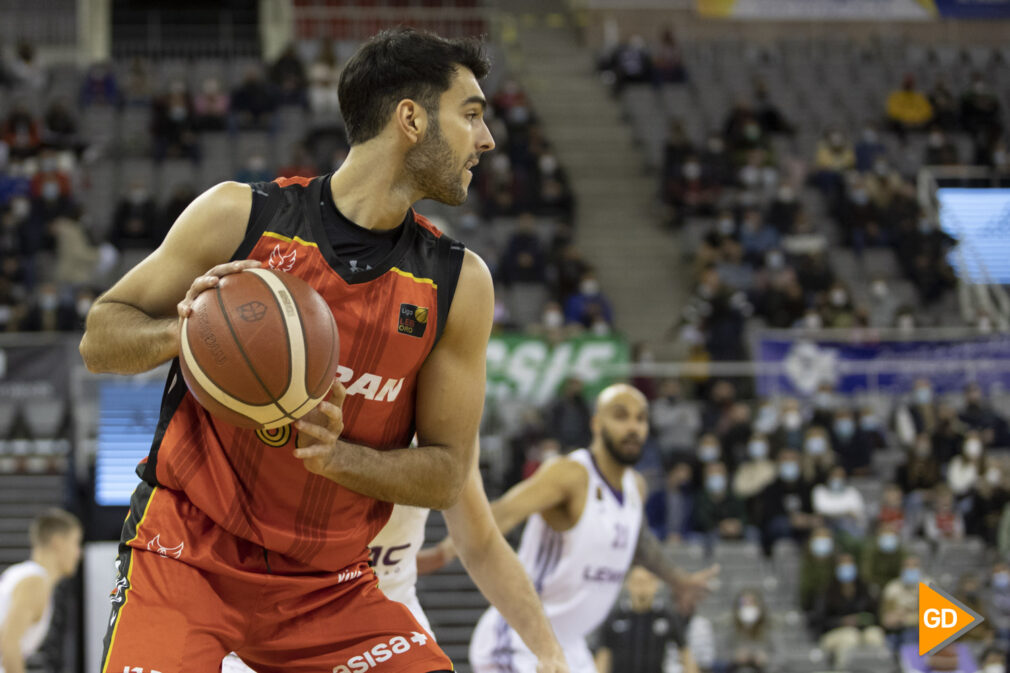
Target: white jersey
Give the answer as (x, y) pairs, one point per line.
(578, 574)
(394, 560)
(13, 576)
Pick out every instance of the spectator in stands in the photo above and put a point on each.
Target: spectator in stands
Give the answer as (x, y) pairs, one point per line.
(182, 195)
(859, 217)
(907, 108)
(49, 204)
(100, 86)
(60, 130)
(945, 106)
(287, 75)
(699, 634)
(792, 433)
(569, 416)
(77, 259)
(639, 632)
(553, 196)
(255, 169)
(846, 614)
(669, 510)
(138, 88)
(869, 148)
(254, 101)
(943, 521)
(750, 640)
(985, 505)
(883, 304)
(816, 568)
(892, 510)
(768, 114)
(998, 601)
(724, 313)
(689, 190)
(835, 155)
(677, 148)
(718, 514)
(899, 611)
(818, 458)
(735, 273)
(173, 126)
(755, 472)
(956, 657)
(589, 306)
(814, 273)
(979, 414)
(48, 311)
(994, 659)
(715, 160)
(917, 414)
(881, 557)
(675, 419)
(840, 504)
(947, 438)
(783, 304)
(631, 63)
(743, 132)
(21, 132)
(25, 69)
(969, 591)
(569, 268)
(136, 224)
(51, 181)
(783, 509)
(211, 106)
(757, 236)
(920, 472)
(524, 259)
(784, 209)
(968, 467)
(980, 111)
(838, 311)
(667, 62)
(709, 450)
(940, 151)
(853, 445)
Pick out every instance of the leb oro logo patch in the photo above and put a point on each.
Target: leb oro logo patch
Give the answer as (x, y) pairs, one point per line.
(413, 320)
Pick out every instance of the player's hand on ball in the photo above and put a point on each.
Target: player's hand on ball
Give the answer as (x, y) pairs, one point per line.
(209, 280)
(319, 432)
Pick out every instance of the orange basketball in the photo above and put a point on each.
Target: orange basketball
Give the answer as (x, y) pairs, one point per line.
(260, 349)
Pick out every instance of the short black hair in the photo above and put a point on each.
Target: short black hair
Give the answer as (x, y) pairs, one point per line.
(397, 64)
(50, 523)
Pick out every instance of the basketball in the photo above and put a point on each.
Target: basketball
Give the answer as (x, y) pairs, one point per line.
(260, 349)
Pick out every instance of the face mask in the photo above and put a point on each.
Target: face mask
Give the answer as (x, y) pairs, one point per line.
(50, 190)
(888, 542)
(791, 420)
(708, 453)
(548, 164)
(715, 483)
(752, 132)
(589, 287)
(815, 445)
(824, 400)
(923, 396)
(839, 297)
(992, 475)
(749, 614)
(994, 668)
(20, 208)
(822, 546)
(757, 449)
(868, 423)
(48, 302)
(716, 145)
(766, 421)
(1001, 580)
(922, 450)
(906, 322)
(553, 319)
(726, 226)
(789, 471)
(692, 171)
(750, 175)
(845, 428)
(775, 260)
(973, 448)
(83, 306)
(812, 321)
(836, 484)
(879, 289)
(846, 572)
(786, 195)
(860, 197)
(911, 576)
(869, 136)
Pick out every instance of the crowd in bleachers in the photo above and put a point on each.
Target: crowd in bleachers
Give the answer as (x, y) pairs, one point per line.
(96, 164)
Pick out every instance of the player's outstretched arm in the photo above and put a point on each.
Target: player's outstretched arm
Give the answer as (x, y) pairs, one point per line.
(499, 575)
(553, 485)
(450, 398)
(26, 607)
(649, 554)
(134, 326)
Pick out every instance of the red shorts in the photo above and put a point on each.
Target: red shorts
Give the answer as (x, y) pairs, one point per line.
(188, 592)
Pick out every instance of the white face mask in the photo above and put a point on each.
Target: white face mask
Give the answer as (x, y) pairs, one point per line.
(553, 319)
(749, 614)
(994, 668)
(589, 287)
(973, 448)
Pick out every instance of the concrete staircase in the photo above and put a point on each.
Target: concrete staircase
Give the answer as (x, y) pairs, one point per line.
(617, 223)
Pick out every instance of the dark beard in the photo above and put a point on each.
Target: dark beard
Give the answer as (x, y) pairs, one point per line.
(611, 446)
(432, 168)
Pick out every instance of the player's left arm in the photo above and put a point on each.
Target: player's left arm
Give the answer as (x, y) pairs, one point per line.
(450, 398)
(499, 575)
(649, 554)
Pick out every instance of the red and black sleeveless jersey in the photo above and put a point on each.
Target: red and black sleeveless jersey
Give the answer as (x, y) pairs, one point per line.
(389, 319)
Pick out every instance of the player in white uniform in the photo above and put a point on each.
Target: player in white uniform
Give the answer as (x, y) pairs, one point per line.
(584, 529)
(487, 557)
(26, 589)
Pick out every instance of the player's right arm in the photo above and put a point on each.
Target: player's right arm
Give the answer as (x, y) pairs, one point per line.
(603, 660)
(134, 326)
(26, 607)
(553, 485)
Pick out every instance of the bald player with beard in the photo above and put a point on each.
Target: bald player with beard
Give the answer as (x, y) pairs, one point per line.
(583, 533)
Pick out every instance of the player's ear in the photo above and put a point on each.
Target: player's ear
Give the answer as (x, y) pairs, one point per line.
(411, 120)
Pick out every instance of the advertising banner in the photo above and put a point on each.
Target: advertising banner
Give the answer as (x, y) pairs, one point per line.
(974, 9)
(884, 366)
(818, 10)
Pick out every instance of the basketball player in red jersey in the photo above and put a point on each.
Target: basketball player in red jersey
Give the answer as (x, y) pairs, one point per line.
(257, 541)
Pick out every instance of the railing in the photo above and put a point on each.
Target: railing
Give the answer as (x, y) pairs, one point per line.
(357, 23)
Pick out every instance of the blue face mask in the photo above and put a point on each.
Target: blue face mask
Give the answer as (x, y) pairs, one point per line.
(846, 572)
(822, 546)
(789, 471)
(845, 428)
(816, 445)
(709, 453)
(757, 448)
(911, 576)
(1001, 580)
(888, 542)
(869, 423)
(923, 395)
(715, 483)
